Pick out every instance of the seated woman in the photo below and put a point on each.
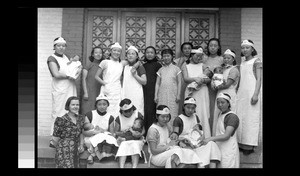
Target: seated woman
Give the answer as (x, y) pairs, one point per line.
(163, 151)
(184, 123)
(125, 120)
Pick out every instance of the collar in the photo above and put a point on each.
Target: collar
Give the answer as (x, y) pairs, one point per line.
(59, 55)
(101, 113)
(225, 111)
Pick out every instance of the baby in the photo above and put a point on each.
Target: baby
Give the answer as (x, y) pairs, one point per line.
(191, 140)
(193, 86)
(74, 67)
(127, 134)
(218, 77)
(87, 142)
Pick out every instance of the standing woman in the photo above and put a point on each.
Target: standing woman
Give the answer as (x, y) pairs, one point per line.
(225, 137)
(214, 60)
(133, 80)
(151, 66)
(193, 72)
(91, 87)
(67, 136)
(249, 100)
(63, 86)
(111, 71)
(231, 78)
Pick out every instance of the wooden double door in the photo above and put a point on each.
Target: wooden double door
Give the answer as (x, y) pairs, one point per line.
(142, 29)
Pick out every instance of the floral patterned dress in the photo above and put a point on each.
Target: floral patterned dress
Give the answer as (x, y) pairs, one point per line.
(67, 155)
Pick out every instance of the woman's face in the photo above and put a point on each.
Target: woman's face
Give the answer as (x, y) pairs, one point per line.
(246, 50)
(60, 48)
(116, 53)
(102, 105)
(228, 59)
(74, 106)
(189, 109)
(213, 47)
(222, 104)
(128, 113)
(163, 119)
(150, 54)
(132, 56)
(197, 58)
(186, 50)
(97, 53)
(167, 58)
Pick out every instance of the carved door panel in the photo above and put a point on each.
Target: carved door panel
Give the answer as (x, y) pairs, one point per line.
(199, 29)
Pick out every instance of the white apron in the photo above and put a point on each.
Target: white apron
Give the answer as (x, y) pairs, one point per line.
(113, 89)
(133, 90)
(102, 122)
(207, 152)
(232, 92)
(202, 98)
(130, 147)
(229, 149)
(248, 114)
(186, 156)
(62, 89)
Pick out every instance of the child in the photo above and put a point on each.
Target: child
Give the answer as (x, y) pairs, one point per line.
(218, 77)
(168, 85)
(193, 86)
(138, 126)
(191, 140)
(89, 127)
(74, 67)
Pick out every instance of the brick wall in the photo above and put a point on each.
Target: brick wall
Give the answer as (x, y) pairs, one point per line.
(72, 31)
(230, 30)
(49, 27)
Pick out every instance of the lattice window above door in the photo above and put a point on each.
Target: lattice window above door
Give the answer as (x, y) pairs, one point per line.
(165, 33)
(199, 31)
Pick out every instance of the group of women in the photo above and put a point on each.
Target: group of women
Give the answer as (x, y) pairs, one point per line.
(155, 89)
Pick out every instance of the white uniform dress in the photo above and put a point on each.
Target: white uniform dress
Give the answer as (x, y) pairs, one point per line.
(229, 148)
(201, 96)
(163, 159)
(112, 71)
(130, 147)
(102, 122)
(230, 91)
(207, 152)
(248, 114)
(133, 90)
(62, 89)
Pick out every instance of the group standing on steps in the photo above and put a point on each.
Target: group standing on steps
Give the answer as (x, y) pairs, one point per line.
(157, 102)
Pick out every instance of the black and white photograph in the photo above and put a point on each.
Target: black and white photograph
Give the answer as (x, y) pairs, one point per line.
(149, 88)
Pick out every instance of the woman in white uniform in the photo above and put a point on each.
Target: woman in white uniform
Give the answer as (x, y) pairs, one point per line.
(163, 151)
(63, 86)
(249, 98)
(225, 137)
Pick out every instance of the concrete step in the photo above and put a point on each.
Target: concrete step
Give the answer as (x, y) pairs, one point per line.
(114, 164)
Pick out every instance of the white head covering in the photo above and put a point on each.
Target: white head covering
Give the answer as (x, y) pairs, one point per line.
(101, 97)
(116, 45)
(59, 40)
(228, 51)
(126, 107)
(133, 48)
(246, 42)
(222, 95)
(164, 111)
(191, 100)
(197, 51)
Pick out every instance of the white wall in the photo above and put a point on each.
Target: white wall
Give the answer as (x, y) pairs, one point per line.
(49, 27)
(252, 27)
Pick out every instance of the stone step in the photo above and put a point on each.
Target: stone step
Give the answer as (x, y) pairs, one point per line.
(114, 164)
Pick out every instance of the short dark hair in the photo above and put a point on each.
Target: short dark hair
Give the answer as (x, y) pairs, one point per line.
(68, 102)
(126, 101)
(219, 43)
(185, 43)
(155, 58)
(91, 57)
(167, 51)
(161, 107)
(210, 74)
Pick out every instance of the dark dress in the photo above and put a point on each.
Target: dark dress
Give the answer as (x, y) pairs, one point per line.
(67, 155)
(151, 67)
(92, 86)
